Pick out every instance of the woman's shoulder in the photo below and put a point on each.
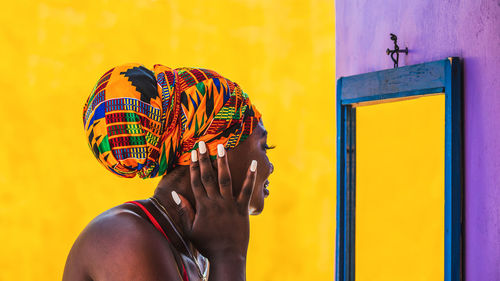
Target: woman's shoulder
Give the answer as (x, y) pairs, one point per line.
(119, 238)
(109, 224)
(125, 217)
(118, 228)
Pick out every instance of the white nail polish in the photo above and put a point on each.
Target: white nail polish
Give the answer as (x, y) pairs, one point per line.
(220, 150)
(253, 166)
(194, 156)
(202, 146)
(176, 198)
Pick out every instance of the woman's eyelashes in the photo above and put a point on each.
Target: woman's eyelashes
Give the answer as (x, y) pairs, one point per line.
(267, 147)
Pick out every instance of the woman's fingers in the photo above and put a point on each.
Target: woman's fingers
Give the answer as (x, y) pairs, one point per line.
(224, 175)
(196, 184)
(208, 178)
(247, 188)
(185, 210)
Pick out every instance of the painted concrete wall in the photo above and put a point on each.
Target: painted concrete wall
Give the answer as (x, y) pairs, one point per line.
(53, 52)
(434, 30)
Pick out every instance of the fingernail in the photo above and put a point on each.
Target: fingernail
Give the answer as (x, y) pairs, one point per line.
(220, 150)
(253, 166)
(176, 198)
(194, 156)
(203, 147)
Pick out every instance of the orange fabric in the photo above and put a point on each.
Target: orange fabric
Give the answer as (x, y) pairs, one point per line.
(145, 122)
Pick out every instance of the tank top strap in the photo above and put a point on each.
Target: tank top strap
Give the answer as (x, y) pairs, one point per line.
(155, 223)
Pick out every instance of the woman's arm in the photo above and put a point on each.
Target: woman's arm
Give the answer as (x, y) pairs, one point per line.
(228, 267)
(219, 227)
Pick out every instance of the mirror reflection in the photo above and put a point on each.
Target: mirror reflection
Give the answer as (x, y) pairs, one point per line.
(400, 190)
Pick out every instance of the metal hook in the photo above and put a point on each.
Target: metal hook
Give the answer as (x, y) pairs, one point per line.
(396, 50)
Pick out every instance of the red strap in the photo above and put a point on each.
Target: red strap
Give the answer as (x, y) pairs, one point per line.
(151, 218)
(184, 273)
(157, 225)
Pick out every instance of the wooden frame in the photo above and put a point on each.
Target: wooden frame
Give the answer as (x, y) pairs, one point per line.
(391, 85)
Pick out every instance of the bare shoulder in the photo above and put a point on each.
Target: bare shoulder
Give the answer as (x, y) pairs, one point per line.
(120, 244)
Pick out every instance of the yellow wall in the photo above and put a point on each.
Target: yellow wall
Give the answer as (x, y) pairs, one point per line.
(400, 191)
(280, 52)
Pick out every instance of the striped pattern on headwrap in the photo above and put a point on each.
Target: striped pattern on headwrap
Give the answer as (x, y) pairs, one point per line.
(144, 122)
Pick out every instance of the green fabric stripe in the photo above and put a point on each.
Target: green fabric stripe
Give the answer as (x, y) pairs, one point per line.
(225, 113)
(237, 115)
(125, 129)
(104, 145)
(163, 162)
(195, 147)
(136, 140)
(201, 88)
(152, 139)
(131, 117)
(243, 137)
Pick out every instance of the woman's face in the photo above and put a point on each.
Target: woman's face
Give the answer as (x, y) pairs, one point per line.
(239, 158)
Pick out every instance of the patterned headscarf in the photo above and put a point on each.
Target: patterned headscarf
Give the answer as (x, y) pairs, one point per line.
(145, 122)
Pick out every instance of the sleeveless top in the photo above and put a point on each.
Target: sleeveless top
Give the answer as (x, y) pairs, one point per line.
(178, 259)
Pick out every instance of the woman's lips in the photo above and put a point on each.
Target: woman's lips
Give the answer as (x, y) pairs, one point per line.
(265, 190)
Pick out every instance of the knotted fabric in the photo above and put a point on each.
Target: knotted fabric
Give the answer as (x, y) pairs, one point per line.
(144, 122)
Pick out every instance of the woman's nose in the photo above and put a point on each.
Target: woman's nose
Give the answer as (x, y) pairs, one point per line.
(272, 168)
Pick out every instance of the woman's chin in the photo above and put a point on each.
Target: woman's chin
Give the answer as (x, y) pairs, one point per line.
(253, 211)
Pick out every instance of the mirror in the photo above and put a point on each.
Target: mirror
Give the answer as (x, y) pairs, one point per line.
(400, 190)
(401, 131)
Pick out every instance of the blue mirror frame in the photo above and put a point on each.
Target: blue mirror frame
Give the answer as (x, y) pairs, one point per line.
(444, 76)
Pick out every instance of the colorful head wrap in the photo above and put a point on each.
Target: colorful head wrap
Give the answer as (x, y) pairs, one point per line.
(145, 122)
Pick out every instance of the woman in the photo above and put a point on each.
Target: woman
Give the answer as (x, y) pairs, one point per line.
(201, 133)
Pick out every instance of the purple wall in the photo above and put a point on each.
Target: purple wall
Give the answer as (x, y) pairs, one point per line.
(434, 30)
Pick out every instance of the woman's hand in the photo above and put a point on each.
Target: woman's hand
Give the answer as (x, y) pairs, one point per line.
(219, 228)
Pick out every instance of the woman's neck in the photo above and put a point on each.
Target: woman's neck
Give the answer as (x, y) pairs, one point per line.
(177, 180)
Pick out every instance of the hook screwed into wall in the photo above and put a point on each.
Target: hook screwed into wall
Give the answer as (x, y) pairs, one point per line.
(396, 50)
